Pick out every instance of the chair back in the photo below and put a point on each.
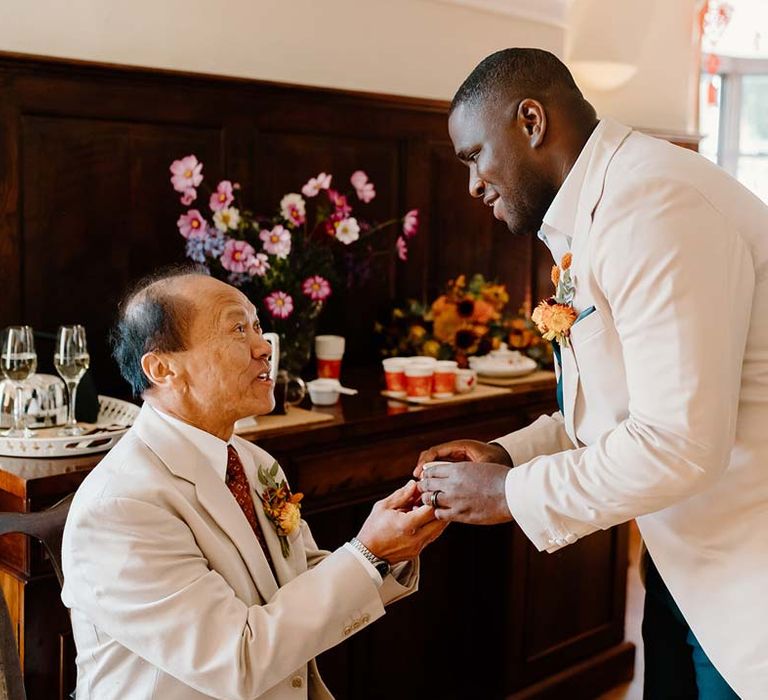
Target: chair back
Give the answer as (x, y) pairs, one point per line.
(48, 527)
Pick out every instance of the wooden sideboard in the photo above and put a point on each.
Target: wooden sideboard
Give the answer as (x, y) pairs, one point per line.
(493, 617)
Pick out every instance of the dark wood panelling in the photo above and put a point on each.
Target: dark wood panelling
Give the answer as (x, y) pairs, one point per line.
(86, 204)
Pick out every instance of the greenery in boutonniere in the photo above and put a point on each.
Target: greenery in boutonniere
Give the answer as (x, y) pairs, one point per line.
(555, 316)
(282, 508)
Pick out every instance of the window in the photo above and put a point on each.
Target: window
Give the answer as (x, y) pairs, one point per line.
(733, 103)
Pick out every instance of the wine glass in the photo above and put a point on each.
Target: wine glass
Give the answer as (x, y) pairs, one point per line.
(71, 360)
(18, 361)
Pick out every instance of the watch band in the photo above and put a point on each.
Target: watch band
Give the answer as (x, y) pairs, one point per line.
(381, 565)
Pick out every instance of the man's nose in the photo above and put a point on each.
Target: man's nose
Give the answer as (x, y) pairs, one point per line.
(261, 347)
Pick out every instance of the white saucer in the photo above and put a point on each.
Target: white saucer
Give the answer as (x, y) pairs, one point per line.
(487, 367)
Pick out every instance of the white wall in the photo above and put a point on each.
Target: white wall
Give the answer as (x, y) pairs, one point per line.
(410, 47)
(654, 35)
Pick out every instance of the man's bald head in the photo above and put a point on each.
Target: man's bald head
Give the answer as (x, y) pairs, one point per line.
(155, 315)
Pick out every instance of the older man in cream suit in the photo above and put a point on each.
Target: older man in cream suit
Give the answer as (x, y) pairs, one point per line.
(664, 372)
(177, 579)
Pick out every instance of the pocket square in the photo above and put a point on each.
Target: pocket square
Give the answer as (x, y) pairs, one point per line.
(585, 313)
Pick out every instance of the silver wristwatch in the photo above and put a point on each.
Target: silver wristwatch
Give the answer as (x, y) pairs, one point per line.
(381, 565)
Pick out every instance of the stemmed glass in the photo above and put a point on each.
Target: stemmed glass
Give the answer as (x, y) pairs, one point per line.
(18, 361)
(71, 360)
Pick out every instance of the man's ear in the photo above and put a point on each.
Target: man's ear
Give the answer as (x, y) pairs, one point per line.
(159, 369)
(532, 118)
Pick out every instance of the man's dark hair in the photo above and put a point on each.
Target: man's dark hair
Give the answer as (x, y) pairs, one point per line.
(151, 317)
(524, 72)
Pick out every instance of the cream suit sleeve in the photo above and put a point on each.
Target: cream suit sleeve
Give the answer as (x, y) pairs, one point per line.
(186, 620)
(545, 436)
(675, 276)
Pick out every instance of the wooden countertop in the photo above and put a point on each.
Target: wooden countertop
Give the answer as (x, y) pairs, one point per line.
(366, 416)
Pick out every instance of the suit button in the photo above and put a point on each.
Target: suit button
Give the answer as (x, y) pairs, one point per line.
(570, 538)
(297, 682)
(347, 631)
(356, 624)
(366, 619)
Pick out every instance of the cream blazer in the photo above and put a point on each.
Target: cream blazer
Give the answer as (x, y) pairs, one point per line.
(171, 595)
(665, 391)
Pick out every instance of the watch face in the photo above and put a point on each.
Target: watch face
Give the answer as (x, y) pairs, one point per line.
(383, 568)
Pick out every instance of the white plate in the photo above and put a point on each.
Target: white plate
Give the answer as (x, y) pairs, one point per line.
(493, 368)
(115, 417)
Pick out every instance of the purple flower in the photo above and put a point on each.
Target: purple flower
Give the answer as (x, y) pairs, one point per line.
(222, 197)
(196, 248)
(192, 224)
(340, 204)
(279, 304)
(214, 244)
(187, 172)
(237, 256)
(237, 279)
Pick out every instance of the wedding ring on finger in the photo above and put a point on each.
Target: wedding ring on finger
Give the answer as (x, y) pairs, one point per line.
(433, 499)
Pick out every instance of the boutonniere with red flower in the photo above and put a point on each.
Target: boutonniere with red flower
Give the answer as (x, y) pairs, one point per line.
(555, 316)
(282, 508)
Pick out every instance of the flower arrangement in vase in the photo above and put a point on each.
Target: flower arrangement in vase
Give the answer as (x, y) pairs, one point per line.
(288, 263)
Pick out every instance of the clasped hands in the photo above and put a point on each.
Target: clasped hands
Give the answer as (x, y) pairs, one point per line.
(469, 490)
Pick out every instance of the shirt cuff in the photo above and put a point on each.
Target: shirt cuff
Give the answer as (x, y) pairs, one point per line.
(370, 568)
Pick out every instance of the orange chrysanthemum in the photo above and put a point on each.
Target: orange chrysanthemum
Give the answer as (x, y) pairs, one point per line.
(555, 275)
(565, 263)
(554, 320)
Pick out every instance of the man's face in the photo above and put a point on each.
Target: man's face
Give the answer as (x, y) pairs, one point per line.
(492, 142)
(225, 368)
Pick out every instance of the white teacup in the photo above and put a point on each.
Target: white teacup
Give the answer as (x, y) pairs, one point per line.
(466, 380)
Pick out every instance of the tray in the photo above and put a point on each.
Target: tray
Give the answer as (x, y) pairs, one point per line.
(115, 417)
(479, 392)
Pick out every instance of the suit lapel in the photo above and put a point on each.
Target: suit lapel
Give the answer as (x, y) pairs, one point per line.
(212, 493)
(612, 137)
(286, 568)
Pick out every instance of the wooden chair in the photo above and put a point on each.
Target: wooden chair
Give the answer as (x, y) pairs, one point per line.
(48, 527)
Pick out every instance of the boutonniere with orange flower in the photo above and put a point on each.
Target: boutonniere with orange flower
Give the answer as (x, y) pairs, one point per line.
(282, 508)
(555, 316)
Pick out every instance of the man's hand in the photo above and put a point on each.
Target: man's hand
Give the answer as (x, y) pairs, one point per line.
(395, 532)
(467, 492)
(463, 451)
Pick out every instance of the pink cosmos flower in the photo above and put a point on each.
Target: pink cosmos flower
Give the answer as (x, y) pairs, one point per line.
(364, 189)
(348, 231)
(222, 197)
(315, 184)
(316, 288)
(189, 196)
(402, 248)
(277, 241)
(192, 224)
(293, 209)
(411, 223)
(279, 304)
(259, 265)
(187, 172)
(238, 256)
(339, 202)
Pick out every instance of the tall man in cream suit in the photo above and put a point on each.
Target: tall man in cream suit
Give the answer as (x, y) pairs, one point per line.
(664, 379)
(177, 581)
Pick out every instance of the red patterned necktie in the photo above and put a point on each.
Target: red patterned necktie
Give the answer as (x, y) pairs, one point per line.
(237, 482)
